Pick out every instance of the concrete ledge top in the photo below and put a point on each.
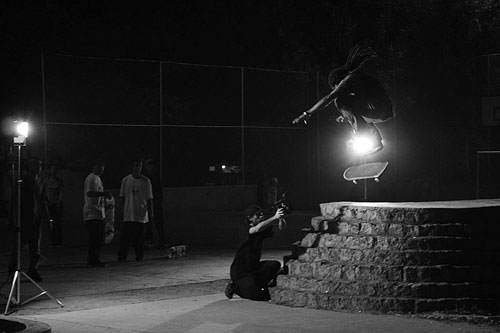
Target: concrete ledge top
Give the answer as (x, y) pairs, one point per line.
(456, 204)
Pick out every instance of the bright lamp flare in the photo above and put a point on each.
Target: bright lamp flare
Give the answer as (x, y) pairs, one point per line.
(22, 129)
(362, 145)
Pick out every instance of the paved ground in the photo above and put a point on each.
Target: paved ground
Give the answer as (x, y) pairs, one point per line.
(182, 295)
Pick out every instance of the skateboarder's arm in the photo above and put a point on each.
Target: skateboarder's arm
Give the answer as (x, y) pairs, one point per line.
(264, 224)
(321, 104)
(344, 86)
(324, 102)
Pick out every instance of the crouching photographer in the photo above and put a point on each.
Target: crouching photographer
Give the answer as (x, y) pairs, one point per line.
(251, 277)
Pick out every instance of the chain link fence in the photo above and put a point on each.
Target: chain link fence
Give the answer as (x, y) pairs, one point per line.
(192, 119)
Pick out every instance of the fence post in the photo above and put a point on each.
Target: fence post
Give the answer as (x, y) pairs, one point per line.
(161, 124)
(242, 126)
(44, 127)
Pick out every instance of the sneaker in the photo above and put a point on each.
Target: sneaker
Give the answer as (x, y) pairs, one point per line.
(230, 289)
(283, 270)
(377, 147)
(35, 276)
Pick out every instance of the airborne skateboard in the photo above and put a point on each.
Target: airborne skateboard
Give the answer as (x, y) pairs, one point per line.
(365, 171)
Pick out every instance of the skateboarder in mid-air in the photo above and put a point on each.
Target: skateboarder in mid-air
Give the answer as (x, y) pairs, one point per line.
(361, 100)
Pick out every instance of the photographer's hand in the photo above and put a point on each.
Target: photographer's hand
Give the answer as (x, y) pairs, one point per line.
(264, 224)
(279, 213)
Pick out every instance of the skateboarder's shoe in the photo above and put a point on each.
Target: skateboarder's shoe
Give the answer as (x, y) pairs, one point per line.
(230, 289)
(378, 146)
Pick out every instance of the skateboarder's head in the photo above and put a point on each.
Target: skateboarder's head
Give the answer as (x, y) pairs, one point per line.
(357, 56)
(336, 76)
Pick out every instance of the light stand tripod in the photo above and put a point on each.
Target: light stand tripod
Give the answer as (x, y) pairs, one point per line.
(15, 289)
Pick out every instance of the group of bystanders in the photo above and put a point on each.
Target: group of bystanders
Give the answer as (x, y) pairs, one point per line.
(139, 205)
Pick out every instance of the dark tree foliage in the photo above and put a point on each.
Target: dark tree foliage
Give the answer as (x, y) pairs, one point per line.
(430, 51)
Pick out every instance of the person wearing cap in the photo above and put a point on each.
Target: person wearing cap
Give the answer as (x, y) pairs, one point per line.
(251, 277)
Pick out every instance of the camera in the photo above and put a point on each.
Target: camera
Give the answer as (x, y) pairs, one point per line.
(283, 204)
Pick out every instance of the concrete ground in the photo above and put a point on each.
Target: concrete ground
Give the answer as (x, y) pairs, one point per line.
(181, 295)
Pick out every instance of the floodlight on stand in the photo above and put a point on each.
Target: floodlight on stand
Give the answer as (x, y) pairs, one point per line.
(22, 131)
(22, 128)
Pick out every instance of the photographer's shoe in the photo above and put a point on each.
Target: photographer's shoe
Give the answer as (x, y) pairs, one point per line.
(230, 289)
(283, 270)
(272, 283)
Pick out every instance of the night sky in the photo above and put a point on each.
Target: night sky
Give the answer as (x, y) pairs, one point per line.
(279, 34)
(430, 52)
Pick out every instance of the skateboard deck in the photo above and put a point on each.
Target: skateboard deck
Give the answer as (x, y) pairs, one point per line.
(365, 171)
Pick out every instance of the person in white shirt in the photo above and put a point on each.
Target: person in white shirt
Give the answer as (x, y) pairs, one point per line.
(136, 198)
(93, 213)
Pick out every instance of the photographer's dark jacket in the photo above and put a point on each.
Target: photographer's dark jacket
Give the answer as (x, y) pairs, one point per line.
(247, 258)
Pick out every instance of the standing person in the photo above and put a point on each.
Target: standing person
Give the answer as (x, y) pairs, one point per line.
(267, 191)
(360, 99)
(151, 171)
(93, 213)
(251, 277)
(136, 196)
(52, 195)
(6, 192)
(30, 219)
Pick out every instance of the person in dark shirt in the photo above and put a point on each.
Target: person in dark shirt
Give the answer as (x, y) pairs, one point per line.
(30, 220)
(360, 99)
(251, 277)
(52, 194)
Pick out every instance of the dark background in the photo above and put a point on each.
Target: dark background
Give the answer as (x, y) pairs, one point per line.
(431, 60)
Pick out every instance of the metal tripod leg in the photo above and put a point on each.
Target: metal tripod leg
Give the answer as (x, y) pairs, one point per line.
(16, 282)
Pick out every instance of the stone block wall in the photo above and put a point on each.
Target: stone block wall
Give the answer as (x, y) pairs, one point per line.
(398, 257)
